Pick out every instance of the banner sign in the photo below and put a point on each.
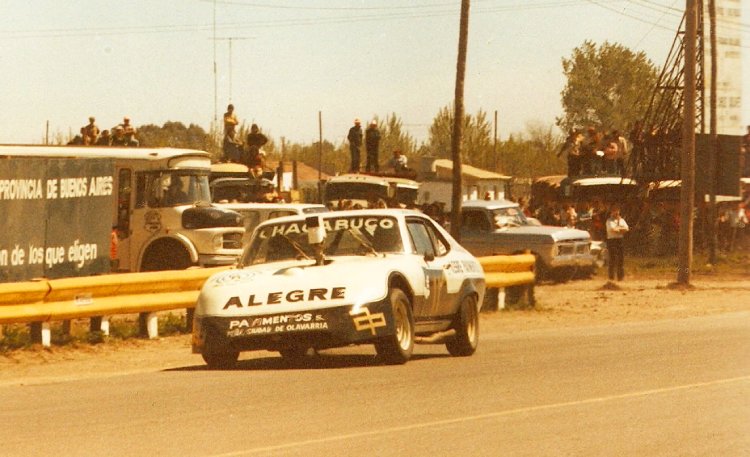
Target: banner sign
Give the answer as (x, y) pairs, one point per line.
(56, 217)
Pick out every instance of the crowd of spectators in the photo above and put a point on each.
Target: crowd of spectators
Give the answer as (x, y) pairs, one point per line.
(595, 153)
(123, 135)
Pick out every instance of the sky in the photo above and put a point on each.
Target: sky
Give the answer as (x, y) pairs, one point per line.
(153, 60)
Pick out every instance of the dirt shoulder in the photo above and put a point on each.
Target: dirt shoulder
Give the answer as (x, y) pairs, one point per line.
(572, 304)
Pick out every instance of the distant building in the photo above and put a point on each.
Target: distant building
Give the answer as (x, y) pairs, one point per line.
(436, 182)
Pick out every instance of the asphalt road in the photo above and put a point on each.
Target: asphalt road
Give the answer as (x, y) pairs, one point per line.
(673, 387)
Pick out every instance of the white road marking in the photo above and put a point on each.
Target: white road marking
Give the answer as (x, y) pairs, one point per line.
(459, 420)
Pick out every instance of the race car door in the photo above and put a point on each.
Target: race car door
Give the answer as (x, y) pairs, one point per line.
(433, 250)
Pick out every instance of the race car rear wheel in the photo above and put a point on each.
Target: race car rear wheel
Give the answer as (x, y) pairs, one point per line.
(396, 349)
(466, 324)
(218, 360)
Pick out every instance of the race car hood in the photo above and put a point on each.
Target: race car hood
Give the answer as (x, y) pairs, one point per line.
(547, 231)
(294, 286)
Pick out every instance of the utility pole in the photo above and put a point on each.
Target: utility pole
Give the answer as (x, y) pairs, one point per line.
(687, 194)
(216, 84)
(320, 156)
(494, 147)
(713, 149)
(458, 117)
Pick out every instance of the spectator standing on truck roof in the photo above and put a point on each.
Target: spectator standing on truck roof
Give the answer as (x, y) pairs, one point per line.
(355, 142)
(609, 162)
(616, 230)
(372, 144)
(589, 149)
(230, 144)
(90, 132)
(572, 150)
(254, 156)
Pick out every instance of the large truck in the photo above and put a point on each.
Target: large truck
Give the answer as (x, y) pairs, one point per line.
(364, 189)
(161, 210)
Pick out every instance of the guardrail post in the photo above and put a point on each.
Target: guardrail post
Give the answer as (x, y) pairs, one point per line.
(104, 325)
(35, 332)
(95, 324)
(501, 298)
(152, 325)
(46, 335)
(530, 295)
(189, 313)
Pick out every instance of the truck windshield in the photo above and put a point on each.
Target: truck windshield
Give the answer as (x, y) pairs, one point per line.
(355, 191)
(175, 188)
(508, 217)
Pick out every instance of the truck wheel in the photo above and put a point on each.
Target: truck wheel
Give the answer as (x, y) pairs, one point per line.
(220, 360)
(166, 255)
(396, 349)
(466, 324)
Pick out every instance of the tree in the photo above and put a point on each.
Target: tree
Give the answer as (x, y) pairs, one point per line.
(393, 137)
(532, 153)
(175, 135)
(476, 140)
(607, 86)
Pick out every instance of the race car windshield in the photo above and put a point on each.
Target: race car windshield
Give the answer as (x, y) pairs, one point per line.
(345, 236)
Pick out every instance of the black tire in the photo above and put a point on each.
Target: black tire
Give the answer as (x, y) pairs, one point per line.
(220, 360)
(397, 349)
(166, 255)
(466, 325)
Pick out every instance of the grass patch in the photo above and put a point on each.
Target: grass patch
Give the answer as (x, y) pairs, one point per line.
(18, 336)
(734, 264)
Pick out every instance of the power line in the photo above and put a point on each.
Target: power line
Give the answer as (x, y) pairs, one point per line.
(305, 21)
(401, 13)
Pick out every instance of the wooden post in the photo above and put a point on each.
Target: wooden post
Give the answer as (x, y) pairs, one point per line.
(712, 150)
(687, 195)
(458, 117)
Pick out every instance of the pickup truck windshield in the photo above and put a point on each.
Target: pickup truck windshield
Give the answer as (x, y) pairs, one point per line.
(509, 217)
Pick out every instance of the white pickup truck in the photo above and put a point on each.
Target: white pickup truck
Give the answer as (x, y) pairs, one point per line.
(490, 227)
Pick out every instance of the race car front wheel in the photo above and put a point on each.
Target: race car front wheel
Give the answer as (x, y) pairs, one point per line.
(396, 349)
(466, 324)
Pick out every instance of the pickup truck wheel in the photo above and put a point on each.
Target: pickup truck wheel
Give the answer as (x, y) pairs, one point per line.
(540, 269)
(396, 349)
(466, 325)
(220, 360)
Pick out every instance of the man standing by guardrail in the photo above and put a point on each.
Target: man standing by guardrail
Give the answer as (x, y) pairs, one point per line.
(616, 230)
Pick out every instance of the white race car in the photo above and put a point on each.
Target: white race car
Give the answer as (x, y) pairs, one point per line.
(386, 277)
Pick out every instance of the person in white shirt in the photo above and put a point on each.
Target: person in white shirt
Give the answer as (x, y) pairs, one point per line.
(738, 220)
(616, 230)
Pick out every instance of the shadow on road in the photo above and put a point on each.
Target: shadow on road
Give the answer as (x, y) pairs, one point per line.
(315, 362)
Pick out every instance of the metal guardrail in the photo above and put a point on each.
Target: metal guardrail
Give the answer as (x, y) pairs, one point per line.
(49, 300)
(515, 272)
